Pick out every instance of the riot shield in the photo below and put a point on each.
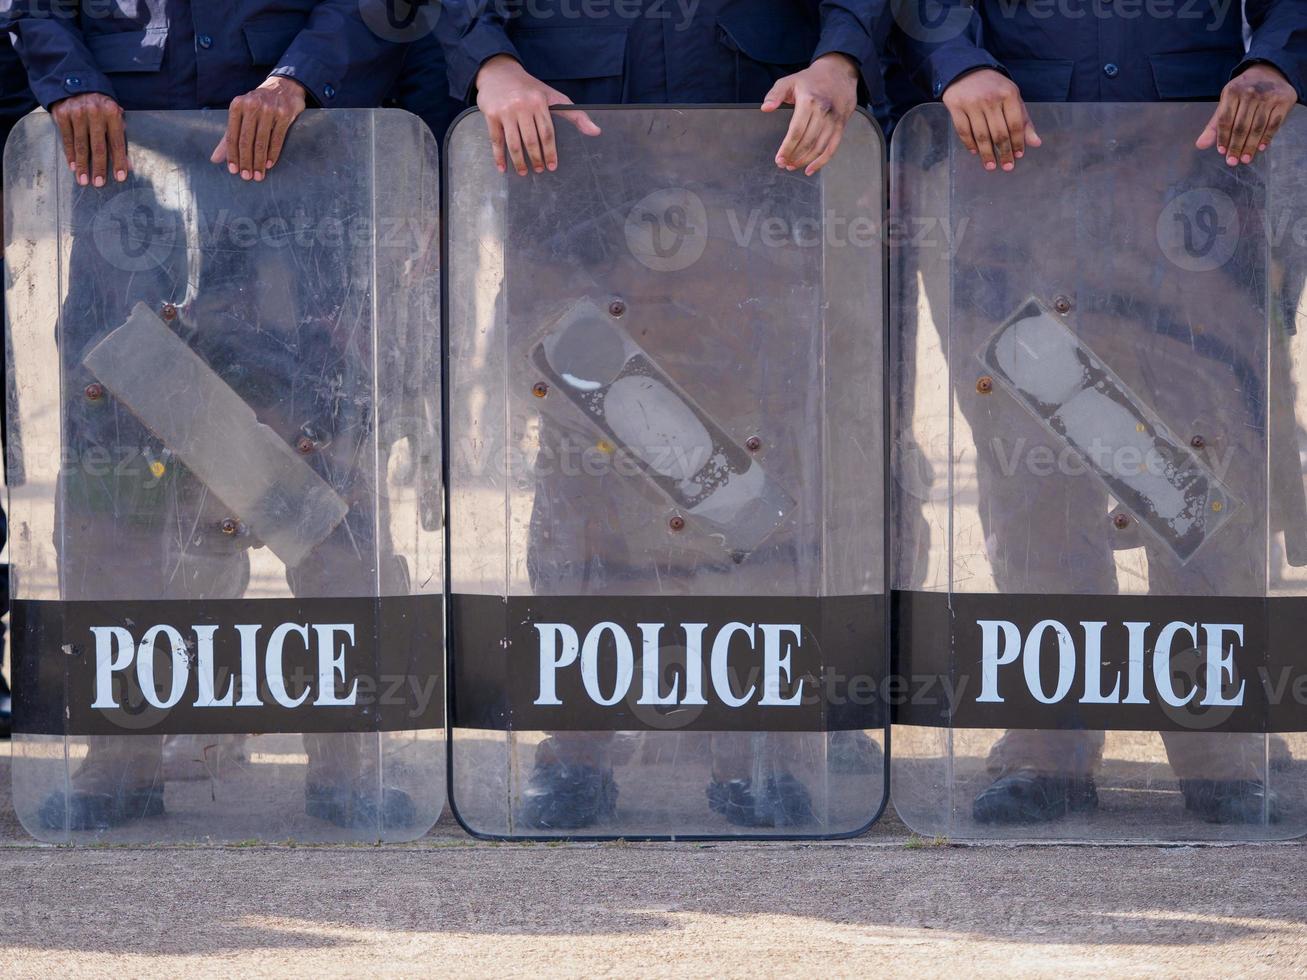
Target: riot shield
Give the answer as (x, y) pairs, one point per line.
(1099, 520)
(665, 477)
(225, 455)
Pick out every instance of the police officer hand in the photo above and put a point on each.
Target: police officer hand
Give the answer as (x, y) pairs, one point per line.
(990, 116)
(1253, 106)
(91, 126)
(824, 96)
(257, 123)
(516, 107)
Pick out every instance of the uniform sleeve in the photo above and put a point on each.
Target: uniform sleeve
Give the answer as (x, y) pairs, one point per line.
(15, 99)
(939, 41)
(347, 55)
(471, 33)
(857, 29)
(49, 41)
(1279, 38)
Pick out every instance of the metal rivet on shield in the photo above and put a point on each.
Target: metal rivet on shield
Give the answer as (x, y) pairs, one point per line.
(616, 308)
(676, 523)
(230, 526)
(1121, 522)
(985, 384)
(753, 444)
(169, 311)
(1198, 442)
(305, 445)
(540, 389)
(95, 391)
(1062, 304)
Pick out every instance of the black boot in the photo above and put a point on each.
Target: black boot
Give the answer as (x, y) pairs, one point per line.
(357, 810)
(560, 796)
(782, 802)
(1230, 800)
(1024, 796)
(81, 810)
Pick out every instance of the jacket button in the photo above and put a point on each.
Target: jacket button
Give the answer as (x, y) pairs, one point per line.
(72, 83)
(205, 40)
(1111, 70)
(329, 90)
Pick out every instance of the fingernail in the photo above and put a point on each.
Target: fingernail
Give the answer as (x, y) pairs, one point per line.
(1220, 149)
(990, 166)
(1009, 166)
(258, 175)
(268, 165)
(1232, 160)
(121, 175)
(1020, 154)
(99, 181)
(245, 175)
(1247, 158)
(83, 179)
(553, 167)
(1262, 146)
(231, 168)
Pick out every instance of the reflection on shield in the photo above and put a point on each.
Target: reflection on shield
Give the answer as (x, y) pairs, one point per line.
(666, 482)
(227, 569)
(1099, 542)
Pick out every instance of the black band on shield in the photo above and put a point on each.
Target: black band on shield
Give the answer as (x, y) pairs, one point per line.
(228, 666)
(735, 664)
(1099, 663)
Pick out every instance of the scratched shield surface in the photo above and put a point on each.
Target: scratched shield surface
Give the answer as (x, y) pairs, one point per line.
(666, 482)
(1098, 501)
(224, 472)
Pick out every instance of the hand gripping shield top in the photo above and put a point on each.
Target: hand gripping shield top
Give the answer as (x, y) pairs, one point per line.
(225, 458)
(1099, 501)
(667, 564)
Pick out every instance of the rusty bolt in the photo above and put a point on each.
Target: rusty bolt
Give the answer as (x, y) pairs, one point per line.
(95, 391)
(753, 444)
(169, 311)
(985, 384)
(676, 523)
(230, 526)
(1121, 521)
(305, 445)
(1198, 442)
(1062, 304)
(616, 308)
(540, 389)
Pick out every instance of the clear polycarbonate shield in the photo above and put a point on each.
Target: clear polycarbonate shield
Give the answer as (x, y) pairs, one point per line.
(666, 481)
(227, 553)
(1099, 510)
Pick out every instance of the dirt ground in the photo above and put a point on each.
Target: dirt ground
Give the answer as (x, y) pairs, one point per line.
(887, 903)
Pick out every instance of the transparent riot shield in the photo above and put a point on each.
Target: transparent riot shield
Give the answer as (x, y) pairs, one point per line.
(1099, 511)
(666, 465)
(225, 465)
